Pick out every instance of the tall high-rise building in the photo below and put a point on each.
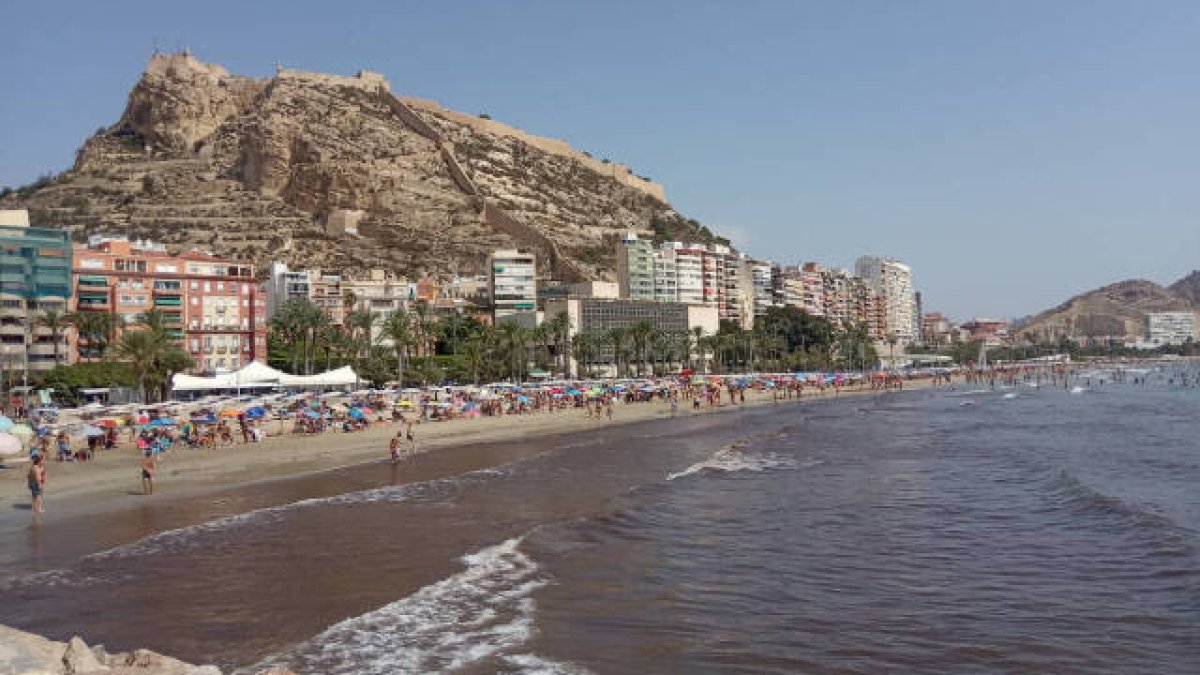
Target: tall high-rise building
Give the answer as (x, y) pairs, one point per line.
(666, 275)
(892, 280)
(512, 282)
(635, 267)
(35, 277)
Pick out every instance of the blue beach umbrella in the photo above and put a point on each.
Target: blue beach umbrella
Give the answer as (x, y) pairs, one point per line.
(356, 413)
(5, 424)
(255, 413)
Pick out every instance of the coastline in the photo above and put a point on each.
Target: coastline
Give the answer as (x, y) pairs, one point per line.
(110, 484)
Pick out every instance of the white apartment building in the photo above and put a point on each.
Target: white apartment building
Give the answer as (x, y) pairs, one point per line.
(666, 275)
(513, 282)
(1171, 328)
(635, 267)
(892, 280)
(763, 279)
(689, 272)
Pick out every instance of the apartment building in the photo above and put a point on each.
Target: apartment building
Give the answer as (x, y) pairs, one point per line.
(512, 282)
(1171, 328)
(323, 289)
(211, 305)
(892, 280)
(35, 277)
(635, 268)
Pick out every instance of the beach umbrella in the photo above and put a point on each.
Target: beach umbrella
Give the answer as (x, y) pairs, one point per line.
(231, 412)
(88, 430)
(204, 418)
(10, 445)
(311, 415)
(106, 423)
(356, 413)
(255, 412)
(5, 423)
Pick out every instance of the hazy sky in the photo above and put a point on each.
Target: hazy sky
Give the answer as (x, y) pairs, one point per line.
(1014, 153)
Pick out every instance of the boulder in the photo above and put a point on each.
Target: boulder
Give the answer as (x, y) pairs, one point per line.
(79, 659)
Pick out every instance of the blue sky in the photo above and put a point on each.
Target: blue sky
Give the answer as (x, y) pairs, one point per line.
(1014, 153)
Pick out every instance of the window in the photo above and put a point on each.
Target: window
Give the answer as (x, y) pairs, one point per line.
(220, 286)
(232, 286)
(195, 344)
(168, 269)
(194, 285)
(195, 301)
(91, 264)
(207, 287)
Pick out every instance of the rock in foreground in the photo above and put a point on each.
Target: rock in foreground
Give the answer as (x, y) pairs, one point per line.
(24, 653)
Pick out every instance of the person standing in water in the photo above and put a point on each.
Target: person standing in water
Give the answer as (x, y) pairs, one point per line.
(149, 466)
(37, 483)
(394, 447)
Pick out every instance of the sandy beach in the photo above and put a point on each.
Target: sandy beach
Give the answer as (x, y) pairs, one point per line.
(112, 480)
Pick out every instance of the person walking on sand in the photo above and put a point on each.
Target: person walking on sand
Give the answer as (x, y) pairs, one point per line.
(149, 466)
(37, 483)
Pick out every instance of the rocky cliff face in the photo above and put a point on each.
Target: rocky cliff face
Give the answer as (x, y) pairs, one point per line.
(276, 168)
(1188, 287)
(1118, 310)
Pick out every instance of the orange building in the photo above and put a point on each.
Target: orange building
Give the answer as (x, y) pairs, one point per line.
(213, 306)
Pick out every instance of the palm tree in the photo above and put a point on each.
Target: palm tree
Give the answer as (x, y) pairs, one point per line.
(474, 351)
(421, 311)
(514, 341)
(618, 337)
(361, 324)
(640, 334)
(560, 328)
(697, 335)
(153, 354)
(291, 322)
(542, 336)
(98, 328)
(454, 327)
(398, 329)
(57, 322)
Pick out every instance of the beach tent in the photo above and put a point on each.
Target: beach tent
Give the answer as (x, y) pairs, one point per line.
(260, 375)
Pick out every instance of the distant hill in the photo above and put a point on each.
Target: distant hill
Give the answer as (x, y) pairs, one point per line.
(1114, 311)
(340, 173)
(1189, 287)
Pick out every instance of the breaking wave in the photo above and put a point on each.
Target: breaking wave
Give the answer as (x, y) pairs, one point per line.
(484, 612)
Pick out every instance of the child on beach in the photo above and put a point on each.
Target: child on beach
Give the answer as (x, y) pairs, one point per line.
(149, 466)
(37, 483)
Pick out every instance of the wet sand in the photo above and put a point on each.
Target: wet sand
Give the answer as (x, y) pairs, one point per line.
(98, 504)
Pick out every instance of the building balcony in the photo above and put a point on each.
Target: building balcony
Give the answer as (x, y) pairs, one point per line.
(168, 291)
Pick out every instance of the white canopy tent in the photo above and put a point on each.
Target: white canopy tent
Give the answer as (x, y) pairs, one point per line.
(259, 376)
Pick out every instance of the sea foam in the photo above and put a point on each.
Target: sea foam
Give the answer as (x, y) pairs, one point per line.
(485, 611)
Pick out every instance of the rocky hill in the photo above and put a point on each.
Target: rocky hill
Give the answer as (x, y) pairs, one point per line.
(1118, 310)
(338, 172)
(1188, 287)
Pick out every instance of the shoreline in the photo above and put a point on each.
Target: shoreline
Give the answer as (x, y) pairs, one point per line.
(110, 485)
